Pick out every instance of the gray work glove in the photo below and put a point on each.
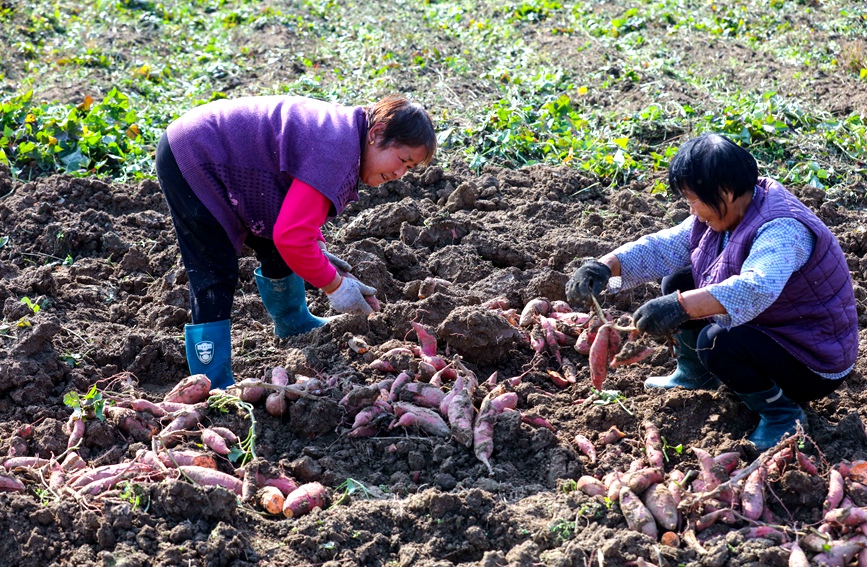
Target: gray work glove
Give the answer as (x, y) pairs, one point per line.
(589, 279)
(338, 263)
(349, 297)
(661, 316)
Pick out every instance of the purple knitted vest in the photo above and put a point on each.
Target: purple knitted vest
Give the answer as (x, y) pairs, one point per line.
(240, 156)
(814, 317)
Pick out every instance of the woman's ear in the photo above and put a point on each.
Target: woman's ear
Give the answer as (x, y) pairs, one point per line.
(375, 133)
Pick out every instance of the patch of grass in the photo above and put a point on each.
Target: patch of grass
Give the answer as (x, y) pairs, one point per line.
(497, 91)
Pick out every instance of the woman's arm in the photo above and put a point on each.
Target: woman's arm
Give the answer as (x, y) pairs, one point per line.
(651, 257)
(780, 248)
(297, 235)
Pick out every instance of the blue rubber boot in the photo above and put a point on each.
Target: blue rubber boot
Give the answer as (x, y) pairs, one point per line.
(778, 416)
(209, 351)
(690, 372)
(286, 303)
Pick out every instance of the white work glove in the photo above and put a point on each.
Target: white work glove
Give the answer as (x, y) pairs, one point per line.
(349, 297)
(338, 263)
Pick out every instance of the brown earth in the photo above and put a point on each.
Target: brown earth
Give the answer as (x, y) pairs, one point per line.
(117, 312)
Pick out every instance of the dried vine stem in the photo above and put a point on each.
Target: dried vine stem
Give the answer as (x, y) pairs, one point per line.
(760, 461)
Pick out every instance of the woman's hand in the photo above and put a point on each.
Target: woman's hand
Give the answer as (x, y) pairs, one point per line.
(588, 280)
(338, 263)
(349, 297)
(661, 316)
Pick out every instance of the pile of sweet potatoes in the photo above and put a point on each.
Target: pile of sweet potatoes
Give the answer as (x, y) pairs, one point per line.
(675, 507)
(180, 416)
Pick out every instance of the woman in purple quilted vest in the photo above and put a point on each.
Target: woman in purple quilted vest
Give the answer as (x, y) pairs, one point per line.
(267, 172)
(755, 285)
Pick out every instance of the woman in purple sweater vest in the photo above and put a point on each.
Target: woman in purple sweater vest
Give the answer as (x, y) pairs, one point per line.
(268, 172)
(755, 285)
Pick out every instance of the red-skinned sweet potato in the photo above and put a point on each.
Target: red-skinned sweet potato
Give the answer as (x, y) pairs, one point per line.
(305, 498)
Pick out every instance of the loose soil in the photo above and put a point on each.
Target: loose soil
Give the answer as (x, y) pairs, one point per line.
(114, 316)
(120, 307)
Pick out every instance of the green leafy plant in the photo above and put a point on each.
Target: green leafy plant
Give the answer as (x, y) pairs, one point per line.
(136, 495)
(605, 397)
(88, 406)
(347, 489)
(563, 530)
(666, 447)
(33, 305)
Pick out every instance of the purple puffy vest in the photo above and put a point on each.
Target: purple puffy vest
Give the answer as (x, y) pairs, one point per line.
(814, 318)
(240, 156)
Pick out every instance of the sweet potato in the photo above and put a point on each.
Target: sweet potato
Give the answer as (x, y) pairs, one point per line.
(183, 420)
(190, 390)
(558, 379)
(215, 441)
(367, 416)
(599, 356)
(653, 445)
(724, 515)
(210, 477)
(591, 486)
(24, 462)
(305, 498)
(148, 407)
(670, 539)
(456, 387)
(460, 414)
(585, 446)
(850, 516)
(422, 394)
(840, 552)
(638, 517)
(752, 495)
(271, 499)
(359, 397)
(806, 464)
(836, 489)
(537, 306)
(613, 435)
(186, 457)
(550, 336)
(640, 480)
(281, 482)
(630, 353)
(276, 404)
(426, 340)
(423, 418)
(659, 501)
(797, 557)
(764, 532)
(73, 462)
(576, 318)
(11, 484)
(483, 429)
(729, 461)
(537, 421)
(76, 431)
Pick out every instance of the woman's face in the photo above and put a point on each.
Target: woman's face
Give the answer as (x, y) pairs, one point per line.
(706, 214)
(386, 163)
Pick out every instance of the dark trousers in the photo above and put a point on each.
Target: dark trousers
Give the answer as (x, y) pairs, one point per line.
(206, 251)
(746, 359)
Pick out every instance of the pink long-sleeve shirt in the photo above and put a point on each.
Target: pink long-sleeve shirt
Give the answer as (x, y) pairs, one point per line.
(297, 233)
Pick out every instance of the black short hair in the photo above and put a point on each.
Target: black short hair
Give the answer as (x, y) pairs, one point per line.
(406, 123)
(711, 165)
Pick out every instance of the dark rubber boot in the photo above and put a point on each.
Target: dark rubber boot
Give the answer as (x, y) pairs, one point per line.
(286, 302)
(778, 416)
(690, 372)
(209, 351)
